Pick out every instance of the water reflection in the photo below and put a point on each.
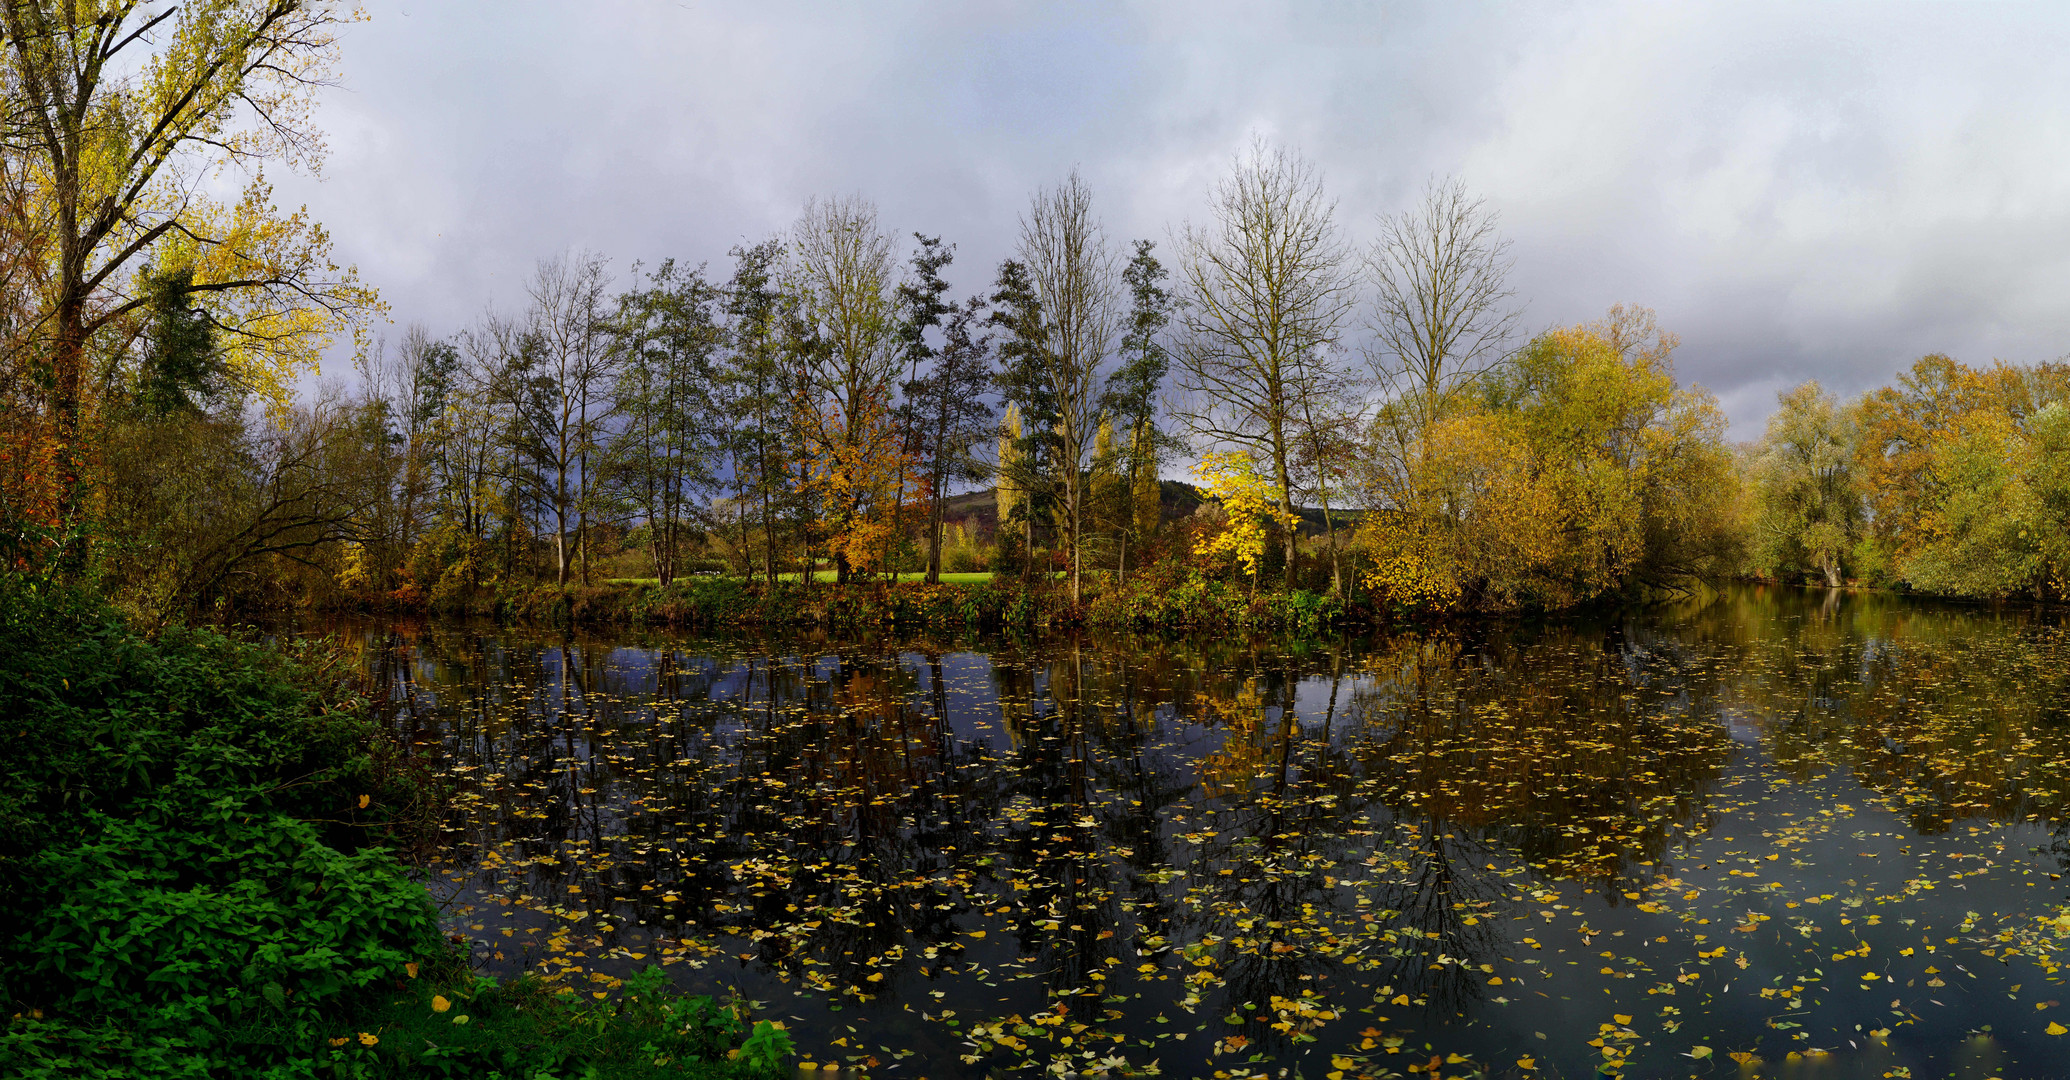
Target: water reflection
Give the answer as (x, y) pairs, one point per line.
(1530, 848)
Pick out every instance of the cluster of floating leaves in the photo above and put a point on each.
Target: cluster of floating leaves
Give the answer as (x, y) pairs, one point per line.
(1705, 842)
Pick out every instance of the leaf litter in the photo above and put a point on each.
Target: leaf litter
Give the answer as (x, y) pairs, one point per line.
(1718, 839)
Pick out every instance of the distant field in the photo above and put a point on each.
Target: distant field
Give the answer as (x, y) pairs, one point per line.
(828, 575)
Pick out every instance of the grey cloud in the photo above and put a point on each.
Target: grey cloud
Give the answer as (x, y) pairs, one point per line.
(1801, 191)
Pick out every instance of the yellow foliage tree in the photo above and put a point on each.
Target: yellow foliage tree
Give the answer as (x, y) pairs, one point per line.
(119, 110)
(1247, 497)
(1580, 469)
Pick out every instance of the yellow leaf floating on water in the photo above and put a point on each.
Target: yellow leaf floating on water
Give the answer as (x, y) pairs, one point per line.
(1699, 1052)
(1745, 1057)
(2057, 1029)
(439, 1003)
(1527, 1064)
(1623, 1019)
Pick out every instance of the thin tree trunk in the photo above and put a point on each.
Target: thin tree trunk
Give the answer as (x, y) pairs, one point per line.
(1286, 504)
(934, 535)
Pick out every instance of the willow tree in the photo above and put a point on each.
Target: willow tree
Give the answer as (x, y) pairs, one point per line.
(1269, 290)
(117, 110)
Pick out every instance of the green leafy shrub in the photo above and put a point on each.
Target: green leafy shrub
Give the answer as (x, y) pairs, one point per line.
(216, 918)
(169, 903)
(189, 885)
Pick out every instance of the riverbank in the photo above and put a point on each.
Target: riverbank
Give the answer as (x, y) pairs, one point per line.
(1162, 598)
(200, 876)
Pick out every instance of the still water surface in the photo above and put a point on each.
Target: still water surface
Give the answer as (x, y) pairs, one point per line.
(1775, 833)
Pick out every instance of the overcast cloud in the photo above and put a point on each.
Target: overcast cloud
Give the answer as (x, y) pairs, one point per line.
(1823, 191)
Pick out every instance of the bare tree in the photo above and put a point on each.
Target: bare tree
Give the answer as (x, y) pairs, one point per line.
(1443, 314)
(842, 272)
(571, 363)
(1269, 289)
(1073, 275)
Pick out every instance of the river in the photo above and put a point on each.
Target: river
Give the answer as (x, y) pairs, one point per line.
(1771, 831)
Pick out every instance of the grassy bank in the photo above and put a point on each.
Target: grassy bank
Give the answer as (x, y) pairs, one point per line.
(198, 878)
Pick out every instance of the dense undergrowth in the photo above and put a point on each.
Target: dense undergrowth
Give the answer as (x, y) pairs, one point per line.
(197, 880)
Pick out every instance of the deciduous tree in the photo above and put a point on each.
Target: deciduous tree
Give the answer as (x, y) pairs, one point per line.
(842, 275)
(1268, 291)
(116, 111)
(1071, 275)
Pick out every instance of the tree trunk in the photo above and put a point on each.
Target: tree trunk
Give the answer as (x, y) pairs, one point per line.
(1330, 536)
(560, 546)
(1074, 491)
(1286, 504)
(934, 535)
(65, 411)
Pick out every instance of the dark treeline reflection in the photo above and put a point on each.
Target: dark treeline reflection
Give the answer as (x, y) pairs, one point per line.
(1339, 847)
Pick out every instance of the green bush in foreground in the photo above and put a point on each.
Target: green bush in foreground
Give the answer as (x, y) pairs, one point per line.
(189, 885)
(526, 1028)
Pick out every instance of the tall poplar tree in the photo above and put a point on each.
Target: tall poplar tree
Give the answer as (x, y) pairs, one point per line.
(1131, 393)
(1071, 274)
(951, 416)
(1028, 451)
(661, 458)
(753, 366)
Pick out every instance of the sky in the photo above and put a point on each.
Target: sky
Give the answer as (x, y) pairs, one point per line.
(1799, 191)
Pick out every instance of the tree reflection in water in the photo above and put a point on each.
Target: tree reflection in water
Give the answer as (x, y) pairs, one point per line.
(1340, 849)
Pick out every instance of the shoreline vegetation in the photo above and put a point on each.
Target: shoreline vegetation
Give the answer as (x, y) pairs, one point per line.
(202, 874)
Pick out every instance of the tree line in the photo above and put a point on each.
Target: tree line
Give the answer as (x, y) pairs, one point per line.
(1954, 480)
(1363, 416)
